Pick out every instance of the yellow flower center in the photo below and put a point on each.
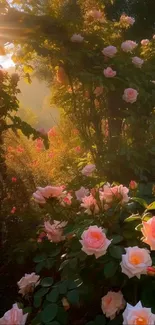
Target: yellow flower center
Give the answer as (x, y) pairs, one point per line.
(135, 259)
(96, 235)
(141, 321)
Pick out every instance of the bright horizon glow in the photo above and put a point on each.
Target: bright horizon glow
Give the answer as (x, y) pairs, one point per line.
(6, 61)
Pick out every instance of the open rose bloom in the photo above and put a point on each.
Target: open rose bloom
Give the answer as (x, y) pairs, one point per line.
(55, 230)
(148, 231)
(77, 38)
(127, 20)
(130, 95)
(109, 72)
(28, 283)
(110, 51)
(118, 194)
(112, 303)
(90, 204)
(94, 241)
(135, 261)
(14, 316)
(138, 315)
(128, 46)
(88, 170)
(47, 192)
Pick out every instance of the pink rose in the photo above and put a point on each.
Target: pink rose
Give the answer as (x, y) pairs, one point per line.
(138, 315)
(90, 204)
(109, 72)
(112, 303)
(94, 241)
(42, 131)
(151, 270)
(81, 193)
(38, 197)
(138, 62)
(148, 231)
(28, 283)
(118, 193)
(133, 185)
(109, 51)
(130, 95)
(88, 170)
(55, 230)
(77, 38)
(127, 20)
(135, 261)
(66, 199)
(98, 91)
(128, 46)
(14, 316)
(145, 42)
(95, 14)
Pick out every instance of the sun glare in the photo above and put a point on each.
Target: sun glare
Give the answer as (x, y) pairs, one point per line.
(6, 61)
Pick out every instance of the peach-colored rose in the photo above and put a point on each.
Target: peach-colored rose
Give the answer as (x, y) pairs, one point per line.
(110, 194)
(133, 185)
(138, 315)
(98, 91)
(55, 230)
(148, 231)
(28, 283)
(145, 42)
(77, 38)
(81, 193)
(128, 46)
(52, 132)
(127, 20)
(112, 303)
(109, 72)
(138, 62)
(88, 170)
(109, 51)
(94, 241)
(135, 261)
(14, 316)
(130, 95)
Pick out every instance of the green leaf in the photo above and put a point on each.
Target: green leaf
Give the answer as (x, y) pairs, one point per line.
(41, 292)
(37, 301)
(151, 206)
(140, 201)
(73, 297)
(55, 252)
(90, 323)
(147, 216)
(62, 316)
(63, 287)
(117, 239)
(40, 258)
(47, 282)
(71, 285)
(73, 263)
(49, 313)
(139, 227)
(133, 217)
(39, 266)
(110, 269)
(116, 251)
(100, 320)
(49, 263)
(53, 295)
(27, 310)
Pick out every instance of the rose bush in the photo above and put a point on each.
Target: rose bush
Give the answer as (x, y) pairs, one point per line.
(90, 253)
